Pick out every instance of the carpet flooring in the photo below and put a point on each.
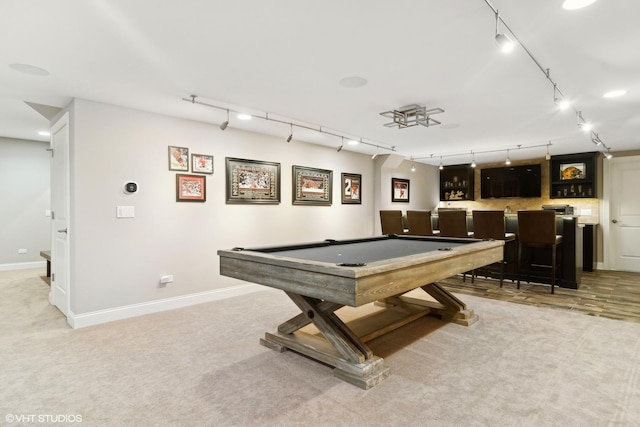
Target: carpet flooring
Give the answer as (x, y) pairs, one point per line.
(202, 366)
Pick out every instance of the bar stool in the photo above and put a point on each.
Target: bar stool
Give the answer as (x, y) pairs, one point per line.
(391, 222)
(453, 223)
(537, 229)
(489, 225)
(419, 223)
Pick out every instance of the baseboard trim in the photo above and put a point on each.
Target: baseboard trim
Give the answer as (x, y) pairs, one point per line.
(125, 312)
(23, 265)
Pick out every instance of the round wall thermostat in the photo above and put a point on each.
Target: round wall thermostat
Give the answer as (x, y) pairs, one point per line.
(130, 187)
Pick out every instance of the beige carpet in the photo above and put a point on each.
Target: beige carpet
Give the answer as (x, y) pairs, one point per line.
(203, 366)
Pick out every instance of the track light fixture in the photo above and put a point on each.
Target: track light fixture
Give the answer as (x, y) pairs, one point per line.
(548, 156)
(595, 138)
(559, 100)
(508, 161)
(608, 155)
(441, 165)
(341, 145)
(503, 40)
(224, 124)
(473, 160)
(291, 134)
(582, 124)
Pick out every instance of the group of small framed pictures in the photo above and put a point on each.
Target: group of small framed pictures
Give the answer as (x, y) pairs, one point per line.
(190, 188)
(254, 181)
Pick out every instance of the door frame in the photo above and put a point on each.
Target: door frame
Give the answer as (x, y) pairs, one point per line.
(55, 297)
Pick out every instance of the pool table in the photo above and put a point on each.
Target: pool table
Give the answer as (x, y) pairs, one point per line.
(326, 279)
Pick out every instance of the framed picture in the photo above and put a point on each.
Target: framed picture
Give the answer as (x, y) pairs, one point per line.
(178, 158)
(191, 188)
(252, 181)
(312, 186)
(569, 171)
(201, 163)
(399, 190)
(351, 188)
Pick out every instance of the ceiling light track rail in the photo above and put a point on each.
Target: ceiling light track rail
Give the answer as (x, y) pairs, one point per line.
(475, 152)
(193, 99)
(559, 98)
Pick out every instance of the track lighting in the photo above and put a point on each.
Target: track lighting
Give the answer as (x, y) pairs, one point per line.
(508, 161)
(503, 40)
(224, 125)
(595, 138)
(608, 155)
(582, 124)
(413, 168)
(319, 129)
(548, 156)
(374, 156)
(441, 165)
(559, 100)
(507, 44)
(473, 160)
(291, 134)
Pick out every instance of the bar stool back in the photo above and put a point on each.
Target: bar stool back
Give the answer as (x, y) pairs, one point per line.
(490, 225)
(453, 223)
(537, 229)
(391, 222)
(419, 223)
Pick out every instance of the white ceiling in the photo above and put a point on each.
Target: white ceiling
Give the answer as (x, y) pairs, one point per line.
(286, 58)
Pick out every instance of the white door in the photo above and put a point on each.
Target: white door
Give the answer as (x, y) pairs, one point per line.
(623, 222)
(60, 292)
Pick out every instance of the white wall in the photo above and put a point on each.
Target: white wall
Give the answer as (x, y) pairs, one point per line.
(424, 185)
(24, 197)
(118, 262)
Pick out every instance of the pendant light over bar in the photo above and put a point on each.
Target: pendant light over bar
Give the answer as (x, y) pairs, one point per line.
(266, 117)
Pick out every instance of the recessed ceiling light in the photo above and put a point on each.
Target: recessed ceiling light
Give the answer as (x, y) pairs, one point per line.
(614, 93)
(576, 4)
(353, 82)
(29, 69)
(243, 116)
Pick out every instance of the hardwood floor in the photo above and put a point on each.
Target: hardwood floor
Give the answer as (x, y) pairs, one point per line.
(612, 294)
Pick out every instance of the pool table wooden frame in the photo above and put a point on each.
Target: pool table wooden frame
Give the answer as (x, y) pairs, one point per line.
(319, 289)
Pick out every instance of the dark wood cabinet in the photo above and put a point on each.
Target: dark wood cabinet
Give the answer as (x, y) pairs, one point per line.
(456, 183)
(573, 176)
